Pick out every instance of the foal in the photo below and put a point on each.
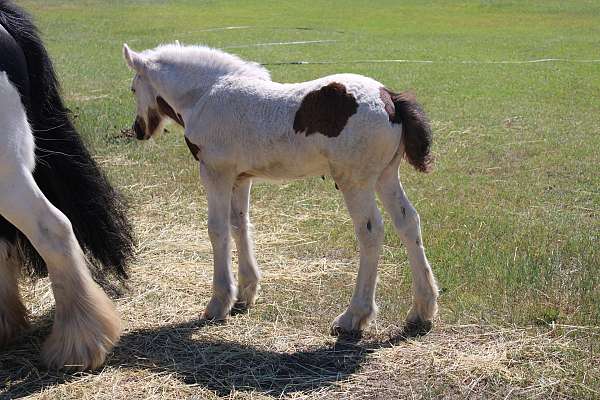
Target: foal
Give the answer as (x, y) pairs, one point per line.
(241, 126)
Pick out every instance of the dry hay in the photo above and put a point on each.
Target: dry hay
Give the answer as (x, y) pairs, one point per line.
(282, 349)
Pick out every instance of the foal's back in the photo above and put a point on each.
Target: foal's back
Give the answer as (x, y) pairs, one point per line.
(283, 130)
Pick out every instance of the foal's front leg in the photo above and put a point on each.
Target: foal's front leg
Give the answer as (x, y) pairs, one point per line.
(368, 226)
(218, 185)
(248, 272)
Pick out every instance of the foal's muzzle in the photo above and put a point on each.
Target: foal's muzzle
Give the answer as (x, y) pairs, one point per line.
(139, 127)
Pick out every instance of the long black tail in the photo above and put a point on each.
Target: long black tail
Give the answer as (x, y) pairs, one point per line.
(416, 131)
(65, 171)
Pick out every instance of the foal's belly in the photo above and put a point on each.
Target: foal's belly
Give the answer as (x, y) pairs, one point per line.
(289, 168)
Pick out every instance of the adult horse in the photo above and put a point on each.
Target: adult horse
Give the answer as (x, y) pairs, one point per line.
(56, 206)
(241, 126)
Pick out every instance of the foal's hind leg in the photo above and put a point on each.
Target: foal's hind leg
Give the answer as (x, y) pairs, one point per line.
(86, 325)
(248, 272)
(13, 314)
(407, 224)
(368, 227)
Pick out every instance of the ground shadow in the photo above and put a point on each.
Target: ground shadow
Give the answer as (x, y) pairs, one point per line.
(221, 366)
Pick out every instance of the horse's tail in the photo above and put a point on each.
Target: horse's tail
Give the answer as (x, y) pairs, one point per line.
(416, 131)
(65, 171)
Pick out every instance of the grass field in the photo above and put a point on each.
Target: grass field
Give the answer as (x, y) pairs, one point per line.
(510, 216)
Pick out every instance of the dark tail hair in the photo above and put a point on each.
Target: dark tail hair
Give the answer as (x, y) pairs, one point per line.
(416, 131)
(65, 171)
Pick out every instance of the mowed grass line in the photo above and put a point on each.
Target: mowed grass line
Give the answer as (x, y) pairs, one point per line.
(510, 215)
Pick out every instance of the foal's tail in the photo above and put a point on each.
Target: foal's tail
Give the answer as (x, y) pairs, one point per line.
(416, 131)
(65, 171)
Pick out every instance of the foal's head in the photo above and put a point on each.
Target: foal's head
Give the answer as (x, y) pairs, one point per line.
(150, 118)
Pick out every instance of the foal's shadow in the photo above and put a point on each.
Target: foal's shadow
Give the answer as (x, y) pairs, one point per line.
(221, 366)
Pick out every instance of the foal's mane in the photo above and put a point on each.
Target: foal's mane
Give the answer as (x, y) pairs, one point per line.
(211, 61)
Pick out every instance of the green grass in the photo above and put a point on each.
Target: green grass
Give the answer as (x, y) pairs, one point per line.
(511, 214)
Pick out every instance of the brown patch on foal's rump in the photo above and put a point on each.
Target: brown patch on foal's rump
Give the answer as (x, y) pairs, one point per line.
(325, 110)
(167, 110)
(193, 148)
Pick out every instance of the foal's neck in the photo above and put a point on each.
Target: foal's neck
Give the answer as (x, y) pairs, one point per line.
(183, 85)
(182, 98)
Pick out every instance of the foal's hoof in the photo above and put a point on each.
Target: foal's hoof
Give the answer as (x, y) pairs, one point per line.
(416, 327)
(247, 295)
(340, 332)
(217, 309)
(213, 318)
(350, 323)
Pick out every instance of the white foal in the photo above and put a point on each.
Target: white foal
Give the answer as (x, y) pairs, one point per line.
(86, 324)
(241, 126)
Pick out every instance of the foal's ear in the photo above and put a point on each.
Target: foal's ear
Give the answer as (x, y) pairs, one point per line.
(134, 60)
